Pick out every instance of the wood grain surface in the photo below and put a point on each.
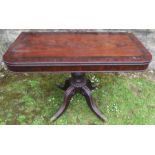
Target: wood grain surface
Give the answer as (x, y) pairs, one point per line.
(76, 52)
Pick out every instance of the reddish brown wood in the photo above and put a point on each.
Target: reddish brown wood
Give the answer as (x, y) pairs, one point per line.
(76, 52)
(78, 83)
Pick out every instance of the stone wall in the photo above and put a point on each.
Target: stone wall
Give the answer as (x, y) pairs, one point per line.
(147, 36)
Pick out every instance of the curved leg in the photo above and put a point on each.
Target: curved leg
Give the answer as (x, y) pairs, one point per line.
(90, 85)
(67, 97)
(78, 83)
(91, 103)
(64, 86)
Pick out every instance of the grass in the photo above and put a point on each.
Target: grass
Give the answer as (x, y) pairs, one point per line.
(34, 98)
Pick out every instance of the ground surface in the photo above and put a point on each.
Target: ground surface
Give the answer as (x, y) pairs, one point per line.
(34, 98)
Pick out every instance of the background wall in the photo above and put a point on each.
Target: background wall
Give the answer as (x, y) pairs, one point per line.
(147, 36)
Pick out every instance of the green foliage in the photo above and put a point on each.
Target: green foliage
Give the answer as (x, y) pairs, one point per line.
(21, 119)
(34, 98)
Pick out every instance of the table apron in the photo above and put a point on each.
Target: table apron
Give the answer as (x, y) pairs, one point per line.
(92, 68)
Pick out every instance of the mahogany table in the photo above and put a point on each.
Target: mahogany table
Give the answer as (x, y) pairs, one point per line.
(77, 53)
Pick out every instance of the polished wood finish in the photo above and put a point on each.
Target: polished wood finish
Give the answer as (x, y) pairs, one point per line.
(76, 52)
(78, 83)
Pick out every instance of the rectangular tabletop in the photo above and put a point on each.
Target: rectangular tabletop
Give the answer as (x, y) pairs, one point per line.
(76, 52)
